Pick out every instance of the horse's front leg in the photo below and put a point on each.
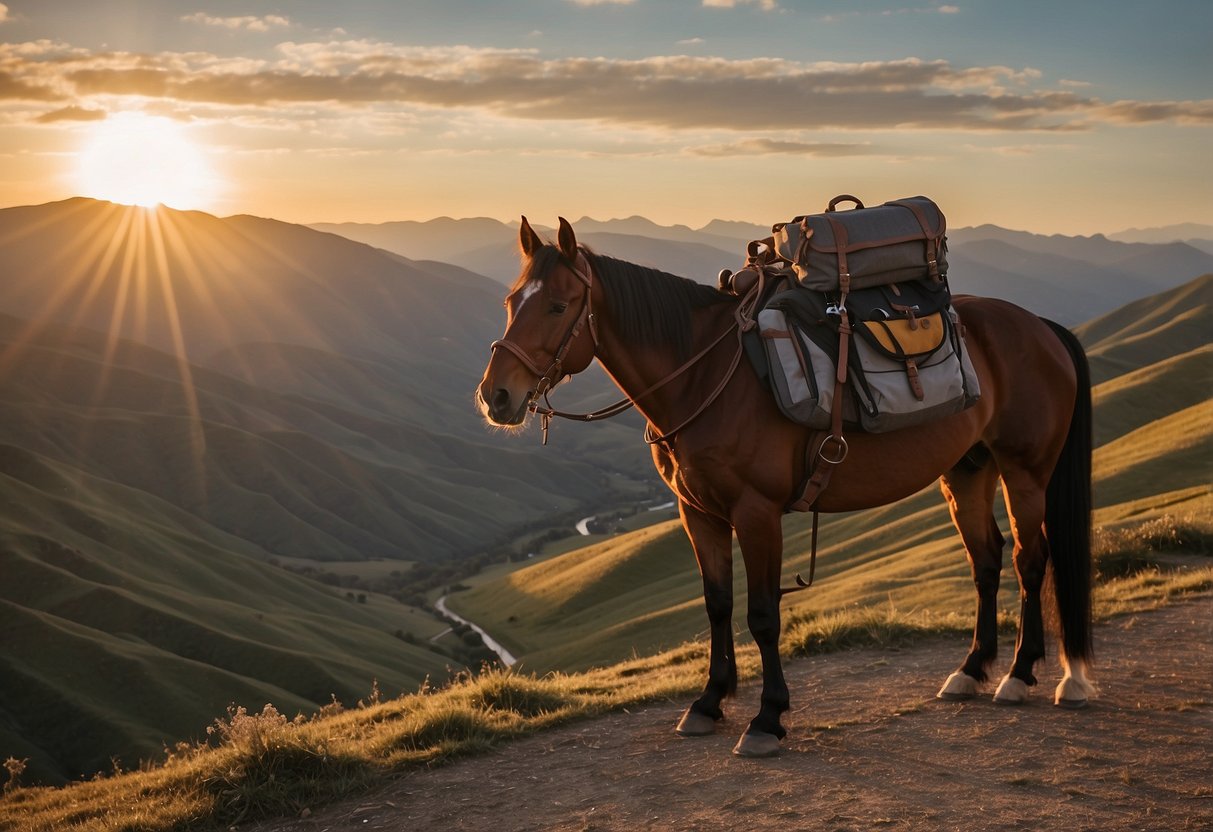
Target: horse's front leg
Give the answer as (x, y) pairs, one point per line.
(712, 540)
(761, 538)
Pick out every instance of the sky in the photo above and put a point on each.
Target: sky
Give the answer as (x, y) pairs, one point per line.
(1054, 117)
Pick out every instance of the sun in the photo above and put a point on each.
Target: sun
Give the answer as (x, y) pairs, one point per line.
(137, 159)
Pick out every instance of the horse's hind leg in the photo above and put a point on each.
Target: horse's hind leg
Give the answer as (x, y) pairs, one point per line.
(969, 489)
(761, 539)
(1025, 497)
(712, 540)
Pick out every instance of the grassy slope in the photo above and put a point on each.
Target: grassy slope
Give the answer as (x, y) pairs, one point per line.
(125, 555)
(639, 592)
(121, 613)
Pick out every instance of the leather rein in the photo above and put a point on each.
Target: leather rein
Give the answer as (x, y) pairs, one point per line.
(743, 320)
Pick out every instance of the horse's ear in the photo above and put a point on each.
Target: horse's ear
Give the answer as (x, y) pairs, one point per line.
(567, 240)
(528, 240)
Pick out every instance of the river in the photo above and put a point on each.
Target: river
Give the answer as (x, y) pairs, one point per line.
(507, 658)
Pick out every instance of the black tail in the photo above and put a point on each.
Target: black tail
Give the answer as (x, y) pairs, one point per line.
(1068, 513)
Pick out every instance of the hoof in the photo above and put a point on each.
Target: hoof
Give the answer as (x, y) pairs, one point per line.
(1072, 693)
(695, 724)
(959, 687)
(1011, 691)
(757, 744)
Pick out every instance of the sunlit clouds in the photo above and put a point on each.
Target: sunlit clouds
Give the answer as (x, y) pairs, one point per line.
(674, 92)
(247, 22)
(421, 112)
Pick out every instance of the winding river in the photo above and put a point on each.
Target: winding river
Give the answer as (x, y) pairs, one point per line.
(507, 658)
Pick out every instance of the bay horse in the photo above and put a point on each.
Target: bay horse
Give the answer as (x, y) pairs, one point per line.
(735, 464)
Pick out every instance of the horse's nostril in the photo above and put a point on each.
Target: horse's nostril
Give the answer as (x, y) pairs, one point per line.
(500, 400)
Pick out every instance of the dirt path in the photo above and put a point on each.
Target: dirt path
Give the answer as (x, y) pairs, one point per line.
(869, 747)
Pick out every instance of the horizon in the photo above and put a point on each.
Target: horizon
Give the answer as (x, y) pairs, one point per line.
(542, 226)
(742, 110)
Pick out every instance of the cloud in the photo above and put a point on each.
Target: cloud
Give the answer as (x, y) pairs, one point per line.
(3, 13)
(765, 5)
(678, 92)
(838, 17)
(690, 41)
(13, 88)
(72, 113)
(766, 147)
(247, 22)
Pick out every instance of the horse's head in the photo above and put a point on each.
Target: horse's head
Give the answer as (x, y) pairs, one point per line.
(548, 313)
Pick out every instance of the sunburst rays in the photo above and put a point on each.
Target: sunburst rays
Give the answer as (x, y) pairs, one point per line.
(187, 284)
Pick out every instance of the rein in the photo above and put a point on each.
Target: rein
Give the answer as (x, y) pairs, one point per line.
(743, 320)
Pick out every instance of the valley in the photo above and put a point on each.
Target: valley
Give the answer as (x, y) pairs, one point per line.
(239, 464)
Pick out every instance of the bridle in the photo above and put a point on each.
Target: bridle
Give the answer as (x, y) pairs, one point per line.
(548, 378)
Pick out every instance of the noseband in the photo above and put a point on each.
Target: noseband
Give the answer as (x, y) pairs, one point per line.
(555, 371)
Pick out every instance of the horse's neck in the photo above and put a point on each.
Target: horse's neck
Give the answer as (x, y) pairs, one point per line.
(636, 370)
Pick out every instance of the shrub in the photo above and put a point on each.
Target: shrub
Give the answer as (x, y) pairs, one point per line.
(268, 766)
(15, 769)
(1131, 549)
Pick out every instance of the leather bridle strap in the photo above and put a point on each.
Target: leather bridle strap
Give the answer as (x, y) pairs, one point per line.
(555, 371)
(627, 402)
(547, 378)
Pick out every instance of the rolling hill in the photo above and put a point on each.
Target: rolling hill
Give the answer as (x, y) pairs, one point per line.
(370, 361)
(640, 592)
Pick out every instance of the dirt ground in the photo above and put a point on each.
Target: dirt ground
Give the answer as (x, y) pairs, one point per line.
(868, 747)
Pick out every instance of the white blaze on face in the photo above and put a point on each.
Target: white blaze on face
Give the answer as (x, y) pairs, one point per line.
(527, 291)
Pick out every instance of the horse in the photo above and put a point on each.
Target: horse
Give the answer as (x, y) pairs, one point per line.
(735, 462)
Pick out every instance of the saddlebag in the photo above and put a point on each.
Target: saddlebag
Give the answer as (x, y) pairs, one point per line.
(899, 241)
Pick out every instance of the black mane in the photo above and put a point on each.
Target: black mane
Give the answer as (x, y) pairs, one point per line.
(650, 307)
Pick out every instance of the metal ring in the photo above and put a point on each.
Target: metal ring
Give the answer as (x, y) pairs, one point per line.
(843, 448)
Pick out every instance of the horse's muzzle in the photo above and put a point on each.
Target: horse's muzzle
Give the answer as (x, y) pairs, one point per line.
(499, 407)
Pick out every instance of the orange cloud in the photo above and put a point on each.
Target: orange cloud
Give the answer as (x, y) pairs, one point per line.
(72, 113)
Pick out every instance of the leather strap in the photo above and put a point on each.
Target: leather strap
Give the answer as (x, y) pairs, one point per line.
(555, 371)
(827, 461)
(841, 238)
(743, 321)
(932, 236)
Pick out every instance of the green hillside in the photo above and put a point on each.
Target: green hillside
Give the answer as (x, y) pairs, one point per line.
(641, 591)
(128, 624)
(295, 477)
(1150, 331)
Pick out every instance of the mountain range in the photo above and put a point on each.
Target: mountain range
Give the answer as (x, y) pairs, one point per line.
(1069, 279)
(188, 403)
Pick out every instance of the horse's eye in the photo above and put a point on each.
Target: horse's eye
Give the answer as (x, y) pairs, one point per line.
(558, 307)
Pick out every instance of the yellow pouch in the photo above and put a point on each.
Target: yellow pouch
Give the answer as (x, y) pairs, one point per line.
(914, 336)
